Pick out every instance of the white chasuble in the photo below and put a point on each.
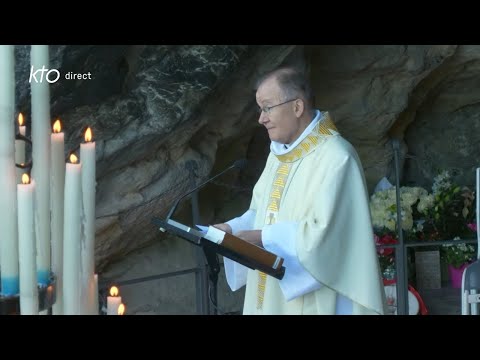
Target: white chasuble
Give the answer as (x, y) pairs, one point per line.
(311, 204)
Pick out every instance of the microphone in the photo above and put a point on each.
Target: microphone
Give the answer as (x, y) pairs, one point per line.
(238, 164)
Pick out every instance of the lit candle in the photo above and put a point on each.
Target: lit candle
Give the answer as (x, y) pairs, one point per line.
(22, 129)
(71, 237)
(26, 248)
(57, 194)
(8, 190)
(40, 90)
(121, 309)
(113, 301)
(87, 156)
(20, 148)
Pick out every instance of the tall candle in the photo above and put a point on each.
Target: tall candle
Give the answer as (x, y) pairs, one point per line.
(26, 248)
(20, 148)
(71, 237)
(87, 156)
(57, 143)
(8, 189)
(113, 301)
(41, 160)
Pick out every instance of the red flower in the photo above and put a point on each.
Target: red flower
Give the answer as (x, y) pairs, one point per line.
(385, 240)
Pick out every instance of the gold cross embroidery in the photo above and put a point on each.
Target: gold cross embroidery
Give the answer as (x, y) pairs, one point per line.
(271, 219)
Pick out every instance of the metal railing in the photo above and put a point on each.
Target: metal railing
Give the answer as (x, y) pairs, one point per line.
(201, 308)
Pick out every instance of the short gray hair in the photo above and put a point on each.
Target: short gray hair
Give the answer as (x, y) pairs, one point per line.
(294, 84)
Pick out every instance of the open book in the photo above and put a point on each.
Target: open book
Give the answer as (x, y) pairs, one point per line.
(228, 245)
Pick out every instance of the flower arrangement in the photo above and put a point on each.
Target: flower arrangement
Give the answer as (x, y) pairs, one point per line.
(452, 211)
(383, 207)
(457, 255)
(444, 214)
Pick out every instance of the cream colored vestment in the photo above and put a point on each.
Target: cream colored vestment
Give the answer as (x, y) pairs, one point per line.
(311, 204)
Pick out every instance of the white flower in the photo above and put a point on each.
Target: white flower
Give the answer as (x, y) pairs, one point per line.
(383, 206)
(441, 182)
(426, 202)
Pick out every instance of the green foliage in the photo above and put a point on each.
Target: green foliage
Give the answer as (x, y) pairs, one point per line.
(452, 210)
(457, 255)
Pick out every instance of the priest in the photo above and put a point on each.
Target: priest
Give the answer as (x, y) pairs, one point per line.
(309, 206)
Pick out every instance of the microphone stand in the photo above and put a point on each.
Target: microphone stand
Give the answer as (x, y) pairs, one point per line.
(213, 265)
(213, 270)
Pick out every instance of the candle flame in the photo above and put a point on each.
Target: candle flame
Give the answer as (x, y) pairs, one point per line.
(88, 135)
(114, 291)
(57, 126)
(121, 309)
(25, 179)
(73, 159)
(20, 119)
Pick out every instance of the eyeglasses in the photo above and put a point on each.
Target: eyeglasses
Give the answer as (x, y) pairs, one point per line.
(268, 109)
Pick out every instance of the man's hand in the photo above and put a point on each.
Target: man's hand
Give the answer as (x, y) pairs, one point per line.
(252, 236)
(224, 227)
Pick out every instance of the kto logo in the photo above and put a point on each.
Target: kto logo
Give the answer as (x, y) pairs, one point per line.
(51, 75)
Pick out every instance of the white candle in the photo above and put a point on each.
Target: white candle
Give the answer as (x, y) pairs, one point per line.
(71, 237)
(26, 248)
(8, 190)
(22, 129)
(87, 157)
(41, 161)
(113, 301)
(20, 148)
(57, 184)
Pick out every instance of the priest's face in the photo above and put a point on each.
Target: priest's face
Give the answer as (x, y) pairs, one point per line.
(277, 113)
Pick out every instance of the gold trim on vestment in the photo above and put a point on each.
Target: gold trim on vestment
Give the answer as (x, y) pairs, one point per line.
(324, 127)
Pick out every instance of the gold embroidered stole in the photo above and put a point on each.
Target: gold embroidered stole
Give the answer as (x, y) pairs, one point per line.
(323, 128)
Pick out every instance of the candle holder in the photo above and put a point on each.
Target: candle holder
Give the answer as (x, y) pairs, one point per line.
(10, 305)
(29, 164)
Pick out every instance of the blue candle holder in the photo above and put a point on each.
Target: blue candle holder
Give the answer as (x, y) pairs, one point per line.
(10, 305)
